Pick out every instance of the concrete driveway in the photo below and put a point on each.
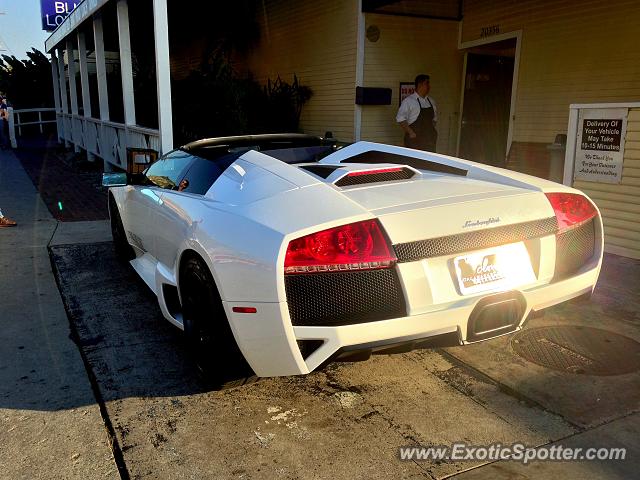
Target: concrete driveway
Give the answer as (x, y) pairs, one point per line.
(348, 420)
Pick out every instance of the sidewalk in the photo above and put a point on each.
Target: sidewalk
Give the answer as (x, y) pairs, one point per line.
(69, 186)
(50, 423)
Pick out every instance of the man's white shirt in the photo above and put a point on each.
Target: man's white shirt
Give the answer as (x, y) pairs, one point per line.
(410, 108)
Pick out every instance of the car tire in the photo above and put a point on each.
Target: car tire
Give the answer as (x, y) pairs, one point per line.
(124, 251)
(208, 335)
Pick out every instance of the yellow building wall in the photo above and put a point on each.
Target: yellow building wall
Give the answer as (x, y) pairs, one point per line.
(408, 46)
(572, 52)
(317, 41)
(620, 203)
(575, 52)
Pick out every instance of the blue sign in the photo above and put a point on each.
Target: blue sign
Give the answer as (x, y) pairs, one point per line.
(54, 12)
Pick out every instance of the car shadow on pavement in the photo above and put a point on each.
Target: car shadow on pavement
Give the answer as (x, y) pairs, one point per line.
(117, 324)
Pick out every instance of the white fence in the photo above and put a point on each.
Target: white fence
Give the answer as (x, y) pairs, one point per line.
(107, 140)
(16, 121)
(104, 139)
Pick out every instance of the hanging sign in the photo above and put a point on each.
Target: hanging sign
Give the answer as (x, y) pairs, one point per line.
(600, 144)
(54, 12)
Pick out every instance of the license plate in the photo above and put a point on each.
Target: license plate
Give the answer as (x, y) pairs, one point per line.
(500, 268)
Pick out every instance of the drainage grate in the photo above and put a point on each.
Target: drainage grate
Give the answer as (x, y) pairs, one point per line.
(582, 350)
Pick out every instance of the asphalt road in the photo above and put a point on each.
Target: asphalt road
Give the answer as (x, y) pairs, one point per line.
(348, 420)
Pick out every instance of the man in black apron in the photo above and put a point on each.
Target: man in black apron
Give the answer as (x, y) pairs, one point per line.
(417, 116)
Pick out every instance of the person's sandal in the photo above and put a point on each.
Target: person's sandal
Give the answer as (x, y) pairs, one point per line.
(7, 222)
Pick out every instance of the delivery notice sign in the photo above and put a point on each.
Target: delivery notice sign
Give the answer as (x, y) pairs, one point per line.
(600, 145)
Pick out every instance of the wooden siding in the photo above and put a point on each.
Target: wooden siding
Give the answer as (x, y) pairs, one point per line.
(317, 42)
(532, 158)
(186, 55)
(406, 47)
(572, 52)
(620, 203)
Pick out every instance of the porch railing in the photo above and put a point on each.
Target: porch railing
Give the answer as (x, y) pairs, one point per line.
(105, 139)
(17, 121)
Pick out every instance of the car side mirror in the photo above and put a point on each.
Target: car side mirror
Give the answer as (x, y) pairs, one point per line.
(114, 179)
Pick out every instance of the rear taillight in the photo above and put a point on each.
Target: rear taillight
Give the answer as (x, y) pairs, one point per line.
(571, 209)
(357, 246)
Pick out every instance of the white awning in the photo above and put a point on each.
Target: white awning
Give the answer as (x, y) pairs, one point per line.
(82, 12)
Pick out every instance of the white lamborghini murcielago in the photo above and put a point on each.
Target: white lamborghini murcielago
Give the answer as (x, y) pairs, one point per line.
(283, 252)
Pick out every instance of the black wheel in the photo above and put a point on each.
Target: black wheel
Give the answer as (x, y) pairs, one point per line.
(124, 251)
(208, 335)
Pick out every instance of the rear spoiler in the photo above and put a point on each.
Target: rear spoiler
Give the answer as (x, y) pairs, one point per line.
(373, 153)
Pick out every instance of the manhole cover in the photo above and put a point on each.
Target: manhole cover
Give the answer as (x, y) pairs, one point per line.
(583, 350)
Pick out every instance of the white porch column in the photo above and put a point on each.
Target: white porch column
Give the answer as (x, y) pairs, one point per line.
(56, 96)
(84, 86)
(63, 96)
(163, 77)
(101, 68)
(126, 69)
(101, 76)
(71, 69)
(360, 41)
(84, 75)
(76, 136)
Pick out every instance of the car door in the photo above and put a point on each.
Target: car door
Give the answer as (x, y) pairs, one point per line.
(145, 200)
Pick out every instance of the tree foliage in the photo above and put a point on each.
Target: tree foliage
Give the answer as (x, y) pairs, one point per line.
(27, 83)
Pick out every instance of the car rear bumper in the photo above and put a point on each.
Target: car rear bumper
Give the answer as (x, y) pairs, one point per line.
(274, 348)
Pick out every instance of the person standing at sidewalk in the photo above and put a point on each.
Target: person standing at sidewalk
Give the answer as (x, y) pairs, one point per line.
(4, 123)
(417, 116)
(6, 221)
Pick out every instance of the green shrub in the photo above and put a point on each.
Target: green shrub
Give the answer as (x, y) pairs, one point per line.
(213, 102)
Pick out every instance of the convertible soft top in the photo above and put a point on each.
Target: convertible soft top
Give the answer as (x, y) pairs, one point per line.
(268, 141)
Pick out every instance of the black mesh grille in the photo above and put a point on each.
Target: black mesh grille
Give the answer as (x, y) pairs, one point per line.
(574, 248)
(344, 298)
(348, 180)
(477, 240)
